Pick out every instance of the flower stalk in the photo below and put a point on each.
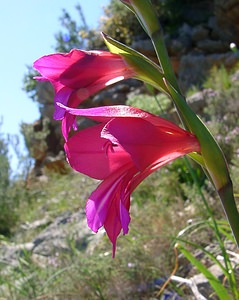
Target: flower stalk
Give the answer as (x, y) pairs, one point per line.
(213, 160)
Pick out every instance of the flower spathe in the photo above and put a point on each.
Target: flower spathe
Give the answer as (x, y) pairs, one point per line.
(79, 74)
(122, 150)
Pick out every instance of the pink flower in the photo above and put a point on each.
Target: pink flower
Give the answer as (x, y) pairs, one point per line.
(122, 150)
(78, 74)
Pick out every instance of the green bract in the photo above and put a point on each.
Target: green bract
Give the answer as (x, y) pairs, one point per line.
(145, 69)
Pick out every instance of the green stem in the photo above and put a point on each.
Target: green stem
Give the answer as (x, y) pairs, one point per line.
(164, 60)
(228, 266)
(225, 193)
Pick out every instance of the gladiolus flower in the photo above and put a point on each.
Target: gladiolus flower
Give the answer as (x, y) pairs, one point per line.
(122, 150)
(79, 74)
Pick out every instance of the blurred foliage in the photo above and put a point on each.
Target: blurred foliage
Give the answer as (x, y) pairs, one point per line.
(223, 109)
(68, 37)
(157, 104)
(121, 24)
(36, 140)
(4, 161)
(12, 188)
(6, 220)
(219, 79)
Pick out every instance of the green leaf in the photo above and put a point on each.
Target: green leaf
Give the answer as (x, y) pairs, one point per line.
(215, 283)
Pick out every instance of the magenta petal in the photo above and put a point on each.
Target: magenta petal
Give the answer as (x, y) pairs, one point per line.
(52, 65)
(107, 113)
(124, 217)
(100, 200)
(138, 137)
(68, 122)
(95, 68)
(113, 225)
(105, 207)
(62, 96)
(90, 154)
(81, 69)
(117, 218)
(86, 154)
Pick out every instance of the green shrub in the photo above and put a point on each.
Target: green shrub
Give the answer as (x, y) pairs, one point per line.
(7, 203)
(222, 110)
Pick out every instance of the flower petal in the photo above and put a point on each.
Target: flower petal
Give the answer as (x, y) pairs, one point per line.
(105, 207)
(106, 113)
(79, 74)
(94, 156)
(53, 65)
(139, 137)
(62, 96)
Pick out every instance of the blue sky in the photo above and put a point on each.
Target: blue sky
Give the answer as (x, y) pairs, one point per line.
(27, 32)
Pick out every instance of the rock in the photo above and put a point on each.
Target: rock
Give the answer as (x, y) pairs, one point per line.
(231, 60)
(227, 17)
(56, 163)
(114, 95)
(198, 101)
(176, 48)
(211, 46)
(69, 227)
(199, 33)
(195, 12)
(10, 253)
(194, 68)
(66, 231)
(37, 223)
(202, 283)
(144, 46)
(235, 76)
